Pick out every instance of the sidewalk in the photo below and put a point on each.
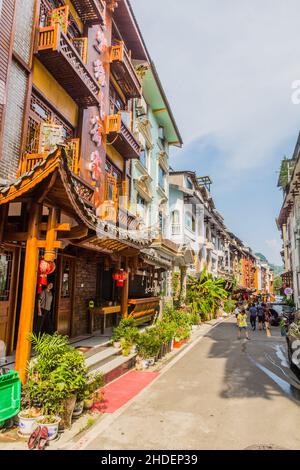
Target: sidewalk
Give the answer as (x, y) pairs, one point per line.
(120, 393)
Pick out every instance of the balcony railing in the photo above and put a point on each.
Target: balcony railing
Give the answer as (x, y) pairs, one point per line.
(90, 11)
(115, 207)
(64, 62)
(122, 137)
(124, 71)
(29, 160)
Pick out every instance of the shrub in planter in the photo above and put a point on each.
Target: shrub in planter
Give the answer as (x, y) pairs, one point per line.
(126, 346)
(56, 375)
(149, 343)
(126, 329)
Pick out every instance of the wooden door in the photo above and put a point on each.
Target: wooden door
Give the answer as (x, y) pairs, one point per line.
(65, 294)
(9, 269)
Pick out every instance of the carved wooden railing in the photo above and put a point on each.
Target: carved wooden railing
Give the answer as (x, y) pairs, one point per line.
(84, 190)
(72, 147)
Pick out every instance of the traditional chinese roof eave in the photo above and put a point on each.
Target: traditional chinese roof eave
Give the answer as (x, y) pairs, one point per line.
(72, 203)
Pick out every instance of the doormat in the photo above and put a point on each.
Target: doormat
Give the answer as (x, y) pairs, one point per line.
(118, 393)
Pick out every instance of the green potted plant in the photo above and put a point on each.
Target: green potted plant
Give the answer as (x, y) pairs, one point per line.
(56, 375)
(94, 384)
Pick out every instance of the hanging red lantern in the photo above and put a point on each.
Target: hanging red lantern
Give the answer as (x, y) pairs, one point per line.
(120, 276)
(45, 268)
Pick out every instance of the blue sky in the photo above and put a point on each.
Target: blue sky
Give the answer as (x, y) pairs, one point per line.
(228, 67)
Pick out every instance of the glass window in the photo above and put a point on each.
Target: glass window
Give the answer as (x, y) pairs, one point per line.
(189, 221)
(161, 177)
(188, 183)
(143, 157)
(5, 275)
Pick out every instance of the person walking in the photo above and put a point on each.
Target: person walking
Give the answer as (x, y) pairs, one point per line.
(44, 310)
(267, 318)
(253, 316)
(242, 324)
(260, 316)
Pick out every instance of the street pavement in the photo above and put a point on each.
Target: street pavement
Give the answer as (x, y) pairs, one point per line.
(222, 394)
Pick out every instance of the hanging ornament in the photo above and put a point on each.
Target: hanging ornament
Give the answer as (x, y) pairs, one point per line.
(101, 41)
(120, 277)
(44, 269)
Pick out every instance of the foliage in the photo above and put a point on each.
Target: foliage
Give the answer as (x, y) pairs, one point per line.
(126, 346)
(165, 330)
(176, 288)
(277, 285)
(149, 343)
(181, 319)
(126, 329)
(56, 372)
(229, 305)
(204, 295)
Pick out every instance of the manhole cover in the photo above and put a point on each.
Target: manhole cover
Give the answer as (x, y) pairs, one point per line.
(265, 447)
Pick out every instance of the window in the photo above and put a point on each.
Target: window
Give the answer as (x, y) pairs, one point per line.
(161, 177)
(144, 157)
(175, 223)
(189, 221)
(66, 287)
(161, 221)
(188, 183)
(41, 113)
(5, 275)
(116, 103)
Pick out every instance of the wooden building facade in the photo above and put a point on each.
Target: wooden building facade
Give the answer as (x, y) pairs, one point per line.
(70, 71)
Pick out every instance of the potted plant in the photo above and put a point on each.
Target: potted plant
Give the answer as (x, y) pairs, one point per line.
(27, 420)
(94, 384)
(55, 376)
(126, 329)
(148, 346)
(52, 423)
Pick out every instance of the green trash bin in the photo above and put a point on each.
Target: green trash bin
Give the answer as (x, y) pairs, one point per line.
(10, 395)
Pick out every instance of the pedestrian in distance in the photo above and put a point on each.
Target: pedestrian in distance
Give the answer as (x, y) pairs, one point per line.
(253, 316)
(267, 318)
(242, 324)
(260, 316)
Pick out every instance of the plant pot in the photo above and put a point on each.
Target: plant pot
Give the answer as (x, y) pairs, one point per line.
(177, 344)
(117, 344)
(78, 409)
(51, 426)
(27, 425)
(88, 403)
(66, 418)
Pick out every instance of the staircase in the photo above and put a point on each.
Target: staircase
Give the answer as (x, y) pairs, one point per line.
(109, 361)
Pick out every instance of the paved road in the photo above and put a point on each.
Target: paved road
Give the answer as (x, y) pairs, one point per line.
(223, 394)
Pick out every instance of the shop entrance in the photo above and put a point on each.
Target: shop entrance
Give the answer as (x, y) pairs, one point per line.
(64, 294)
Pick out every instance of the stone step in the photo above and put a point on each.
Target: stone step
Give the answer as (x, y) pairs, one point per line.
(101, 357)
(116, 367)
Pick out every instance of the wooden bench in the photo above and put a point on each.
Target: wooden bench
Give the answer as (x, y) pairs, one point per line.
(103, 311)
(143, 310)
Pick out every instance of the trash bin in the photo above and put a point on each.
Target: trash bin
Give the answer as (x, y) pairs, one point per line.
(10, 394)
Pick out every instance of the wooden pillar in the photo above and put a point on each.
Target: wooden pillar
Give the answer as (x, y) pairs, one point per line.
(28, 293)
(3, 219)
(124, 294)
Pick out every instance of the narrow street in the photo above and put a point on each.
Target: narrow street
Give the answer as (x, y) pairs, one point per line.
(222, 394)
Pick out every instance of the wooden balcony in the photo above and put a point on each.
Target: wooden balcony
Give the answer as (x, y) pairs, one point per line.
(124, 72)
(64, 62)
(121, 137)
(115, 207)
(90, 11)
(72, 147)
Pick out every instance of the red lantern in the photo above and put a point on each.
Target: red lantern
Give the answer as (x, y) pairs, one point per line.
(45, 268)
(120, 276)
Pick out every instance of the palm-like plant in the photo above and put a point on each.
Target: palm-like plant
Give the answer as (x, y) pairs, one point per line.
(205, 294)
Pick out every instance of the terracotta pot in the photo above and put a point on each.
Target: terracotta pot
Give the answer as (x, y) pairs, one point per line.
(177, 344)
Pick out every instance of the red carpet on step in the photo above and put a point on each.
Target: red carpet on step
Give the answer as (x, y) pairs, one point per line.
(119, 392)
